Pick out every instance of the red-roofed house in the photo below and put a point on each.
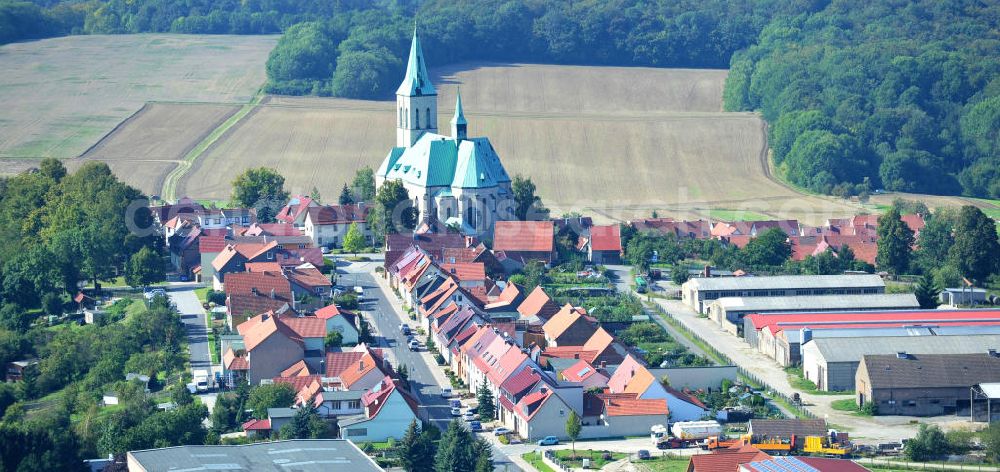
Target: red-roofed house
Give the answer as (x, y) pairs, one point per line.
(306, 279)
(468, 274)
(294, 212)
(632, 377)
(537, 306)
(271, 347)
(341, 321)
(250, 293)
(539, 414)
(525, 240)
(585, 374)
(233, 259)
(388, 410)
(604, 245)
(568, 328)
(358, 369)
(327, 225)
(257, 428)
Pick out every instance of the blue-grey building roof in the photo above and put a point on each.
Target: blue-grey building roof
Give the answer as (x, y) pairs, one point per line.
(416, 81)
(304, 455)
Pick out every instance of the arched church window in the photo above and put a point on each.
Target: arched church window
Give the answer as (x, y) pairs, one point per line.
(417, 122)
(406, 117)
(400, 117)
(429, 125)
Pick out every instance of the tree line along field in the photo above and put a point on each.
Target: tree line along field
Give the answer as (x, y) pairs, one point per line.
(618, 142)
(62, 95)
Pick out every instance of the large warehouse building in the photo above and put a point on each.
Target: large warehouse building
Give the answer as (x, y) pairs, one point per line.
(832, 363)
(698, 293)
(924, 384)
(729, 312)
(780, 335)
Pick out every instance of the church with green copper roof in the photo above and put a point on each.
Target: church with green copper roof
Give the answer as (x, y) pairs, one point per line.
(455, 180)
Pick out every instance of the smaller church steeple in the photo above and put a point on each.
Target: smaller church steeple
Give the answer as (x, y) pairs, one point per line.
(458, 124)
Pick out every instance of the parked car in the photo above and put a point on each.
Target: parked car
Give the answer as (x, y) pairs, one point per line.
(548, 441)
(501, 431)
(405, 329)
(446, 392)
(475, 426)
(470, 415)
(455, 403)
(456, 412)
(414, 345)
(643, 454)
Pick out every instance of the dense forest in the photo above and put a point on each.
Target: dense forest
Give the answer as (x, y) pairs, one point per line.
(903, 94)
(893, 94)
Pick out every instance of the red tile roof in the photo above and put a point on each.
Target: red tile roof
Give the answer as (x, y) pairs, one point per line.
(531, 403)
(684, 396)
(357, 370)
(296, 205)
(257, 425)
(606, 238)
(263, 267)
(524, 236)
(466, 271)
(242, 297)
(328, 312)
(307, 276)
(875, 319)
(254, 335)
(210, 244)
(298, 383)
(725, 461)
(298, 369)
(521, 381)
(337, 362)
(272, 229)
(538, 304)
(579, 372)
(636, 407)
(338, 214)
(233, 362)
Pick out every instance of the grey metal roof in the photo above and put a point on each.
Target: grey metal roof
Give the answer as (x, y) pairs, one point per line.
(280, 412)
(305, 455)
(787, 282)
(342, 395)
(819, 302)
(852, 349)
(931, 370)
(787, 428)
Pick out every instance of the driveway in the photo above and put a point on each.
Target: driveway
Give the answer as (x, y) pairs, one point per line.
(425, 376)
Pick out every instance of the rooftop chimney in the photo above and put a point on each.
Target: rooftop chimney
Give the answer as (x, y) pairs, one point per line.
(708, 271)
(253, 291)
(361, 365)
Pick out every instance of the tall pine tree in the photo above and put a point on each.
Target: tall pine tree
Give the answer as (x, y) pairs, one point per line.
(487, 408)
(416, 450)
(895, 241)
(927, 292)
(457, 451)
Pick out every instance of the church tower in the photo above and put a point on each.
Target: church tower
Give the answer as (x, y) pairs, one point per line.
(416, 100)
(458, 124)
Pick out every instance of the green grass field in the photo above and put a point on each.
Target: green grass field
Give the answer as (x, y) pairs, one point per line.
(665, 464)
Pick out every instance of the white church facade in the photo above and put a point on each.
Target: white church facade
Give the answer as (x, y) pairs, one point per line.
(455, 180)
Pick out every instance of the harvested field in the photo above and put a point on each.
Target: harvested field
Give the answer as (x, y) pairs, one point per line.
(160, 131)
(62, 95)
(659, 142)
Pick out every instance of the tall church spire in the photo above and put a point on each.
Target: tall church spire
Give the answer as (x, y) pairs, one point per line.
(416, 99)
(458, 123)
(417, 81)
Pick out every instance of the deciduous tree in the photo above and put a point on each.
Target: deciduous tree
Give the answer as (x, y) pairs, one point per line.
(354, 241)
(261, 188)
(573, 428)
(527, 205)
(277, 395)
(976, 252)
(144, 268)
(895, 240)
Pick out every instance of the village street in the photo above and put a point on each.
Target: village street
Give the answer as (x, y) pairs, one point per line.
(193, 316)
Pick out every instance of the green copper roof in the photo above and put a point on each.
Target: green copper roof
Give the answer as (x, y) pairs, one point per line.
(441, 161)
(417, 81)
(459, 118)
